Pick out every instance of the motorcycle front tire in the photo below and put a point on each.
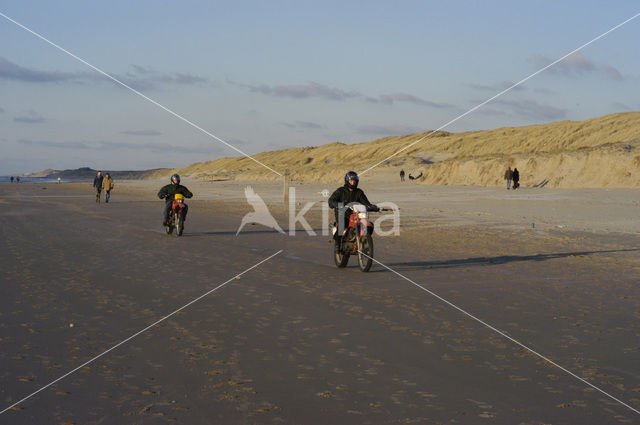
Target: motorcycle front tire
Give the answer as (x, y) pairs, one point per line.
(179, 221)
(365, 253)
(340, 258)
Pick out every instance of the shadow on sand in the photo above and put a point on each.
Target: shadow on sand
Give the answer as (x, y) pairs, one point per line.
(245, 232)
(490, 261)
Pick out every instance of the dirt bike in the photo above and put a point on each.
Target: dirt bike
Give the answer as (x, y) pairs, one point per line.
(356, 239)
(176, 216)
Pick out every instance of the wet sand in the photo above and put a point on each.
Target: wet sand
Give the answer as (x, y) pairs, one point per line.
(297, 340)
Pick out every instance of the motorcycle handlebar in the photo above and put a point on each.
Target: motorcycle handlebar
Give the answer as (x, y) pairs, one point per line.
(345, 208)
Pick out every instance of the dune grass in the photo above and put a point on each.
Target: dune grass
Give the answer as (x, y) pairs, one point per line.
(600, 152)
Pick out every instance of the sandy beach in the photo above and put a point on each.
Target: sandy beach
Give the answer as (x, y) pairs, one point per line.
(297, 340)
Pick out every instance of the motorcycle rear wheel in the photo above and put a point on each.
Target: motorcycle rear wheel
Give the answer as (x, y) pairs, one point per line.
(365, 253)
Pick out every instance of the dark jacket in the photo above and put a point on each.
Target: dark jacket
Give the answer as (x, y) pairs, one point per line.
(516, 175)
(508, 175)
(171, 189)
(345, 196)
(97, 181)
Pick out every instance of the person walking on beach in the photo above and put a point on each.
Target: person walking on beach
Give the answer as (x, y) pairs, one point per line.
(17, 179)
(11, 179)
(59, 180)
(97, 184)
(508, 175)
(401, 175)
(107, 186)
(516, 179)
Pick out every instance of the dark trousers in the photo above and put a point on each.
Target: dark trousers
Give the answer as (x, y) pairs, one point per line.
(167, 208)
(345, 224)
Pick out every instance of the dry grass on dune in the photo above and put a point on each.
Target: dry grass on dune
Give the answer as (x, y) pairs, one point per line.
(600, 152)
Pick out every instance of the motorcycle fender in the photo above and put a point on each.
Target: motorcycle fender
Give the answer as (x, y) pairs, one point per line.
(366, 228)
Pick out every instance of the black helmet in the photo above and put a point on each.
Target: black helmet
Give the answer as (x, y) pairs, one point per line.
(351, 175)
(175, 179)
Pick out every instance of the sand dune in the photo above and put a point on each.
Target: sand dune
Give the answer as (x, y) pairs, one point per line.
(599, 152)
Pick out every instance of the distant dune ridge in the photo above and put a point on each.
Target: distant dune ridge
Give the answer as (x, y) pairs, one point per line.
(86, 173)
(597, 153)
(600, 152)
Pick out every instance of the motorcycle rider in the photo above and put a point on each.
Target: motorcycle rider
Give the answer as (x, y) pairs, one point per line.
(167, 193)
(340, 200)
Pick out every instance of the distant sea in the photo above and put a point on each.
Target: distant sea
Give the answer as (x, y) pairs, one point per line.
(7, 179)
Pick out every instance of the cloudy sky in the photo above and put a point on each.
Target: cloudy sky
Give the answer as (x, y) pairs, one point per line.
(264, 75)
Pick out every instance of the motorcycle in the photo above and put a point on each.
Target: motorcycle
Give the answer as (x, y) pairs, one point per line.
(356, 239)
(176, 216)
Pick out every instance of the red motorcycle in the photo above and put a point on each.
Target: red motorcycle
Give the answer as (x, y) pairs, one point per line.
(356, 239)
(176, 215)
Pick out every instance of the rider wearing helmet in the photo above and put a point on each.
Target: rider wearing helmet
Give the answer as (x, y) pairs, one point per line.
(168, 193)
(342, 197)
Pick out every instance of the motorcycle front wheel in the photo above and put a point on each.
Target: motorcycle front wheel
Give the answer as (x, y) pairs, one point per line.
(179, 221)
(341, 259)
(365, 253)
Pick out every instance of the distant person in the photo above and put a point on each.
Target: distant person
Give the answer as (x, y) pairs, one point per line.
(97, 184)
(516, 179)
(508, 176)
(11, 179)
(167, 193)
(107, 186)
(17, 179)
(59, 180)
(401, 175)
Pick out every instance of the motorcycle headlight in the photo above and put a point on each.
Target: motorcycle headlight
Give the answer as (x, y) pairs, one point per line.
(363, 215)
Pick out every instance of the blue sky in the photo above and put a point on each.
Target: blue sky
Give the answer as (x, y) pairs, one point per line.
(269, 75)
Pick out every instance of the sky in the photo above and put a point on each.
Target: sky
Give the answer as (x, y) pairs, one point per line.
(271, 75)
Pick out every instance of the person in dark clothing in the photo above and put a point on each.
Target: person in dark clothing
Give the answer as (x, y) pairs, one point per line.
(11, 179)
(342, 199)
(167, 193)
(401, 175)
(516, 178)
(97, 184)
(508, 176)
